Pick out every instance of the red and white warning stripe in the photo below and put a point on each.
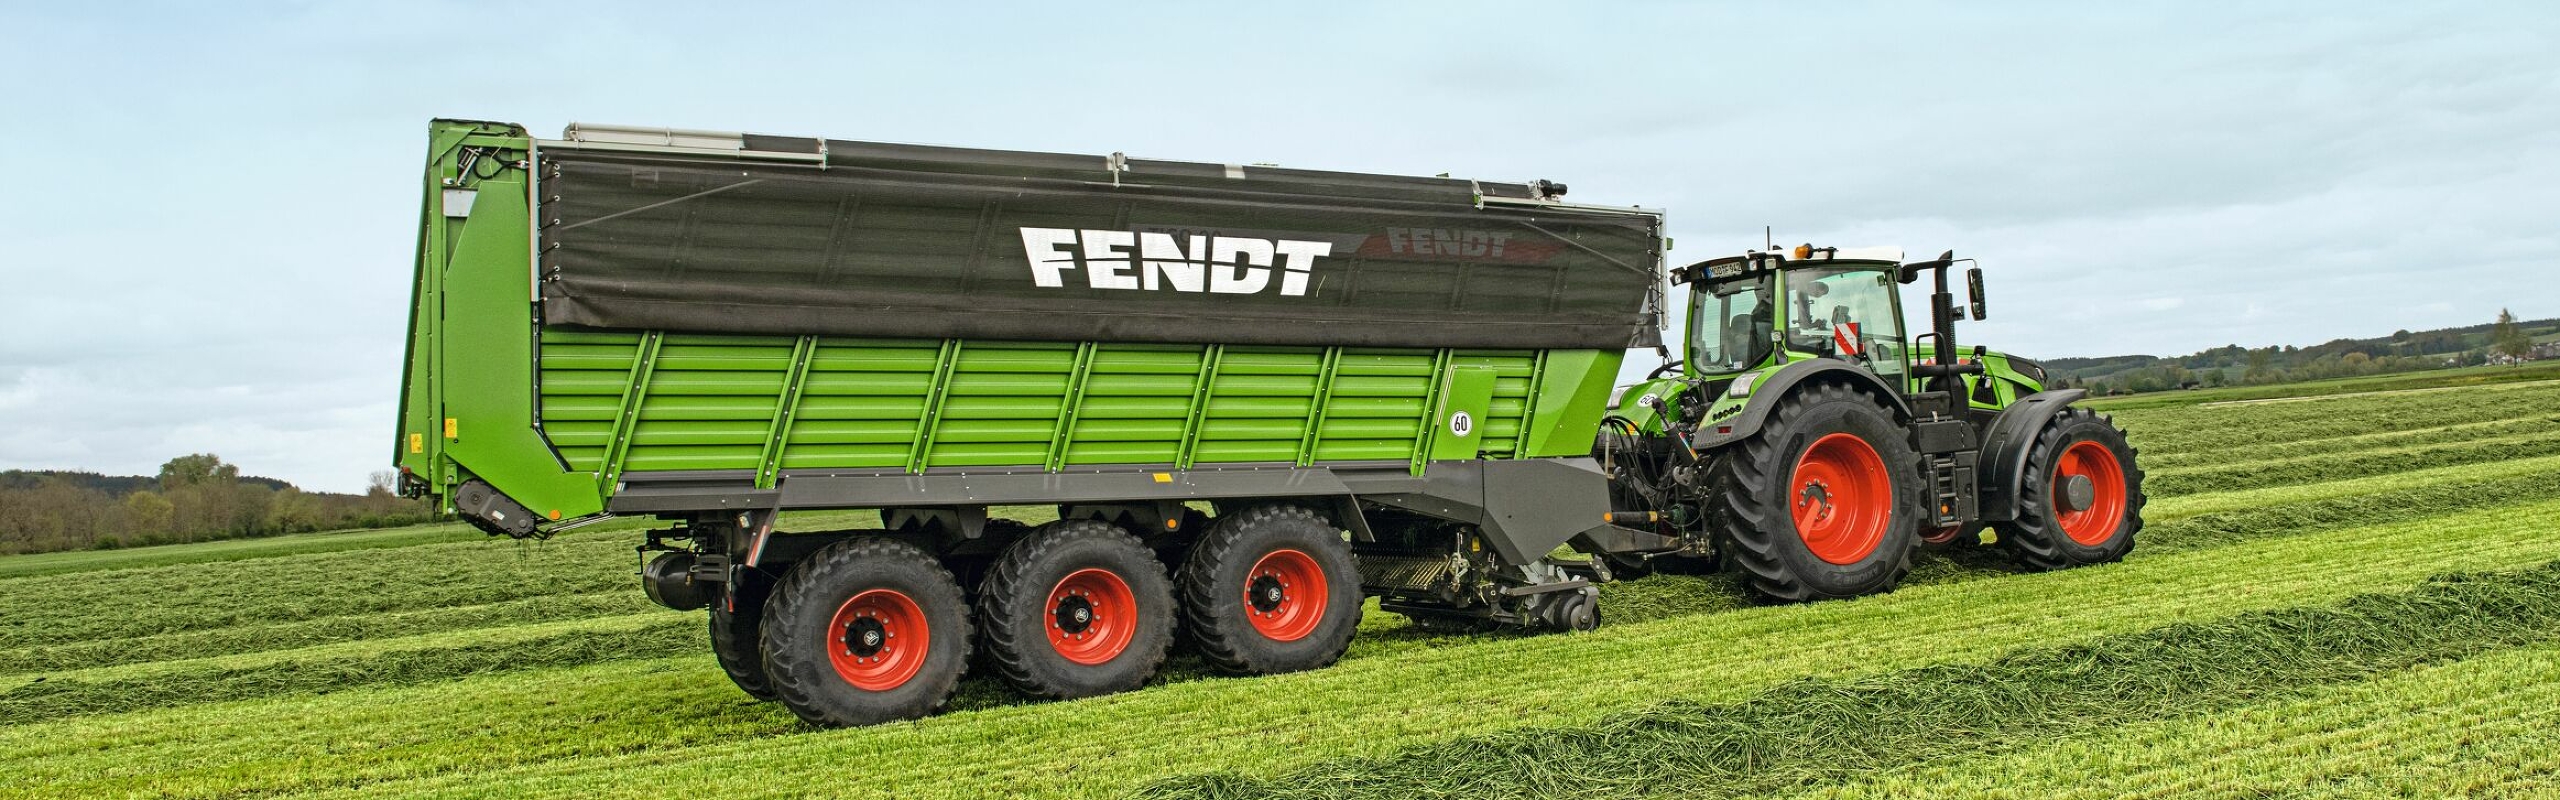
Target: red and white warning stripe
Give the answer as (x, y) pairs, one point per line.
(1846, 334)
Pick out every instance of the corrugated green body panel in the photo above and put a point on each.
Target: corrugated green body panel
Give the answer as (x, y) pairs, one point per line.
(718, 402)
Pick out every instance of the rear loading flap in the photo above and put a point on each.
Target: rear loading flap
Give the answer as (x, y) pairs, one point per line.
(904, 241)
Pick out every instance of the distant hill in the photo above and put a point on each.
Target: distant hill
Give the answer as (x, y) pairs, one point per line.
(2401, 351)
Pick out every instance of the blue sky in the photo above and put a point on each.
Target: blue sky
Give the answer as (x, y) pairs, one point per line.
(209, 209)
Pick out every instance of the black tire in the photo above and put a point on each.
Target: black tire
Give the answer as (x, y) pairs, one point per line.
(1019, 606)
(1215, 579)
(801, 633)
(737, 635)
(1751, 499)
(2042, 535)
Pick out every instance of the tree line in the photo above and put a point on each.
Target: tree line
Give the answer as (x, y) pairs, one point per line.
(195, 498)
(2505, 341)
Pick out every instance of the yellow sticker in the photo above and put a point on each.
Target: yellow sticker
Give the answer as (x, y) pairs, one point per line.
(417, 443)
(449, 429)
(1164, 477)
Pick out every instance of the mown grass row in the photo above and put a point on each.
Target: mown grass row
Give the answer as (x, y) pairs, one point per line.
(2336, 466)
(324, 669)
(2210, 428)
(2467, 432)
(647, 728)
(239, 639)
(1817, 731)
(2484, 726)
(115, 604)
(296, 544)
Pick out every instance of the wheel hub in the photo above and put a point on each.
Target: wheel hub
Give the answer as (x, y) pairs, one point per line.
(864, 637)
(1267, 593)
(2078, 493)
(1816, 497)
(1074, 614)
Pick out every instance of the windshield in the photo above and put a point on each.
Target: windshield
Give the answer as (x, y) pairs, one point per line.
(1729, 332)
(1846, 312)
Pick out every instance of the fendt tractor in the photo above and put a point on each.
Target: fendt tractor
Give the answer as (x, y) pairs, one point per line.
(1241, 400)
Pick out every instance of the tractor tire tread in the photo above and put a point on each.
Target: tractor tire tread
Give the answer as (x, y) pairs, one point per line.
(2033, 539)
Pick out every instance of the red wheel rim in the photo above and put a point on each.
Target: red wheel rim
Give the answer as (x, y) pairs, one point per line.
(1285, 595)
(1092, 616)
(878, 640)
(1841, 498)
(2096, 524)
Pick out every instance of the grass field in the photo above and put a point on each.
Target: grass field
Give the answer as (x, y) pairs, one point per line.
(2352, 595)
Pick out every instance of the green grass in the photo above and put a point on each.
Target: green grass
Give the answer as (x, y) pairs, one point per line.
(20, 566)
(2487, 726)
(647, 726)
(434, 662)
(1821, 730)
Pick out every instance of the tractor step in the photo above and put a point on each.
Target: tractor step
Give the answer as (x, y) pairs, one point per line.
(1952, 491)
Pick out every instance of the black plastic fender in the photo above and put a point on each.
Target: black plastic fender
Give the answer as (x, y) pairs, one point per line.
(1774, 385)
(2005, 445)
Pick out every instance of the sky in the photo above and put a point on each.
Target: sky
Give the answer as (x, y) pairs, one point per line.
(209, 210)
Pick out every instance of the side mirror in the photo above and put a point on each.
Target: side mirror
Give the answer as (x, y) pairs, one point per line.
(1973, 284)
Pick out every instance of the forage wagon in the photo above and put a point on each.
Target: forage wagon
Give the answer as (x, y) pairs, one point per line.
(1255, 397)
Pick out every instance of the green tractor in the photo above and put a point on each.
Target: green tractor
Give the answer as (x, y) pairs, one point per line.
(1811, 443)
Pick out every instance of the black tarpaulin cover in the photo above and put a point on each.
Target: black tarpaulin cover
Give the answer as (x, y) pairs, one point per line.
(910, 241)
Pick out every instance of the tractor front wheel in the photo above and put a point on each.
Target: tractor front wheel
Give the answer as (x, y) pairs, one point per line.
(865, 630)
(1824, 502)
(2080, 500)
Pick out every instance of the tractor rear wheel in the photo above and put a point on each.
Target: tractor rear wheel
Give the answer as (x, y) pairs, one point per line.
(1075, 609)
(737, 623)
(865, 630)
(2080, 500)
(1823, 503)
(1271, 589)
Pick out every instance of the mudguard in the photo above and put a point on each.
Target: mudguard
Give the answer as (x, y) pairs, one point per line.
(1774, 386)
(2005, 445)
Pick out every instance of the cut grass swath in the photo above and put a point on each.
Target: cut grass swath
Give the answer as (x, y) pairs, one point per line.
(2349, 443)
(314, 632)
(2193, 429)
(2484, 726)
(1820, 730)
(2339, 466)
(649, 636)
(59, 609)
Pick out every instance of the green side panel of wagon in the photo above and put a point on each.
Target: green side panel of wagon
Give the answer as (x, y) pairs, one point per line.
(620, 401)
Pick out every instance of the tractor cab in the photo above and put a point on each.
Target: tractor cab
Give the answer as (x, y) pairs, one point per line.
(1825, 303)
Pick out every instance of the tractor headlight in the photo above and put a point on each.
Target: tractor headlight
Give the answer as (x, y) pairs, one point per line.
(1742, 386)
